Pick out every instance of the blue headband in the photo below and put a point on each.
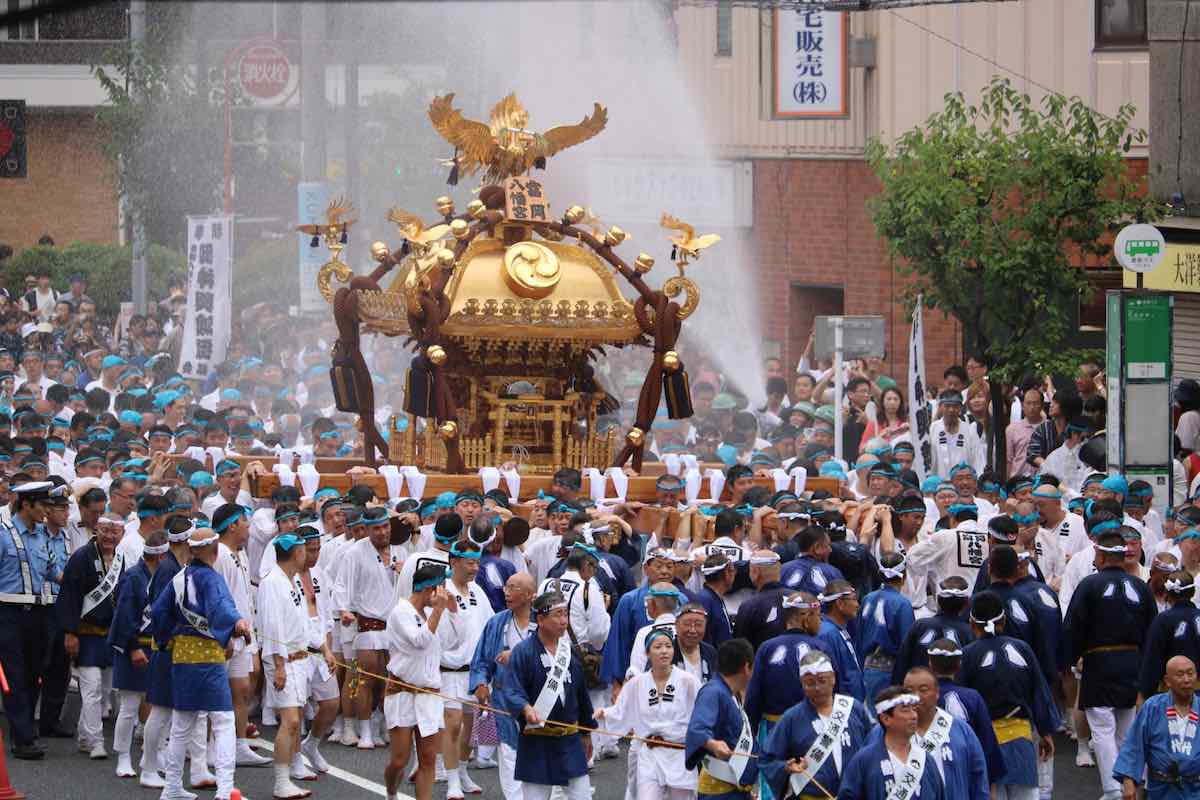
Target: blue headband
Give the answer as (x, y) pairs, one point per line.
(456, 553)
(227, 465)
(1107, 525)
(232, 518)
(586, 548)
(1190, 533)
(961, 466)
(56, 446)
(960, 508)
(429, 582)
(287, 541)
(329, 434)
(286, 515)
(1025, 519)
(655, 633)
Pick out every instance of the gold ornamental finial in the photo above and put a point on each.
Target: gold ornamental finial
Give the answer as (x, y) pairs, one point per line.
(689, 244)
(504, 146)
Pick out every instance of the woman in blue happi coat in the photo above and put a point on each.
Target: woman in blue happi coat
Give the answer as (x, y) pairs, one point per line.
(796, 761)
(720, 742)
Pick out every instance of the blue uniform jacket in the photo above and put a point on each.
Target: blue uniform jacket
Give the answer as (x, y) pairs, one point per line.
(914, 651)
(966, 704)
(484, 669)
(719, 627)
(794, 734)
(493, 573)
(128, 625)
(158, 682)
(775, 683)
(717, 715)
(84, 573)
(1006, 674)
(547, 760)
(198, 687)
(1148, 744)
(869, 776)
(1174, 632)
(963, 768)
(806, 574)
(838, 643)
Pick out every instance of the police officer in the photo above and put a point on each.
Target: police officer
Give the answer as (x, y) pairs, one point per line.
(25, 611)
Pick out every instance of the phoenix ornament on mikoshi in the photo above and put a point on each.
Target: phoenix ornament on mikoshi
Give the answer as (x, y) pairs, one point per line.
(504, 146)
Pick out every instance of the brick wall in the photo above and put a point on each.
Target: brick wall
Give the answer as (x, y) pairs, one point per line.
(69, 192)
(812, 229)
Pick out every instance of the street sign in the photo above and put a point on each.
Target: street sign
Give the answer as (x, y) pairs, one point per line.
(862, 337)
(266, 74)
(1140, 248)
(1147, 336)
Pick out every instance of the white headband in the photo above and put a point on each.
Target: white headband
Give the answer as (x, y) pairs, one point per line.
(948, 592)
(111, 519)
(182, 536)
(1177, 587)
(818, 667)
(1110, 549)
(555, 607)
(898, 700)
(793, 515)
(894, 572)
(156, 549)
(205, 542)
(829, 598)
(796, 601)
(714, 569)
(933, 651)
(764, 560)
(990, 624)
(1024, 555)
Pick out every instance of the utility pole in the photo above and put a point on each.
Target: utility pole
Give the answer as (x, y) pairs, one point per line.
(137, 37)
(312, 90)
(1173, 30)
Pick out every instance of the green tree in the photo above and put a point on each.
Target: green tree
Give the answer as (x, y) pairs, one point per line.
(164, 130)
(992, 210)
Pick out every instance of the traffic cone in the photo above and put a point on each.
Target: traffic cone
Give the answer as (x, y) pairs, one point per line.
(7, 792)
(234, 794)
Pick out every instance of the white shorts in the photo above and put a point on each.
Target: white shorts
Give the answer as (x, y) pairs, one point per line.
(343, 639)
(241, 663)
(322, 682)
(371, 640)
(412, 710)
(454, 684)
(294, 693)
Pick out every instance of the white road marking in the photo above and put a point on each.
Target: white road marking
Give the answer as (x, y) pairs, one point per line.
(343, 775)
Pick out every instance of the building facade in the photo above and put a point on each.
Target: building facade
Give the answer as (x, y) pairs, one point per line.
(817, 251)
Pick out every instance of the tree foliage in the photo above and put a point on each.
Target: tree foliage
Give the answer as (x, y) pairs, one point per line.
(106, 267)
(993, 209)
(164, 130)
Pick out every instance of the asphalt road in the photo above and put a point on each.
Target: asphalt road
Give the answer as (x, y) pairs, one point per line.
(67, 774)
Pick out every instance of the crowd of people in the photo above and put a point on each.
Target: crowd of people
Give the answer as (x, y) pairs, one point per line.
(900, 636)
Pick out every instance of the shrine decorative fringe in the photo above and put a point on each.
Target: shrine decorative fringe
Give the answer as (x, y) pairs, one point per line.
(419, 389)
(678, 394)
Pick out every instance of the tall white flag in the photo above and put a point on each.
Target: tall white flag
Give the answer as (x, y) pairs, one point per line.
(918, 408)
(209, 296)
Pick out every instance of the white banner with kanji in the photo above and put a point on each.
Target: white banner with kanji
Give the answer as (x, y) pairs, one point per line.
(919, 415)
(210, 295)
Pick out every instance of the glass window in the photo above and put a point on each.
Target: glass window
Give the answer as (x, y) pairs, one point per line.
(1120, 23)
(724, 27)
(97, 21)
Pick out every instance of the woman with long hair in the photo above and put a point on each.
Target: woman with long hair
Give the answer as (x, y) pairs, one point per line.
(891, 417)
(979, 411)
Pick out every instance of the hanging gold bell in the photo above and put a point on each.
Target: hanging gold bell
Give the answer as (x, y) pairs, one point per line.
(448, 429)
(574, 214)
(445, 205)
(615, 236)
(670, 361)
(643, 263)
(460, 229)
(379, 251)
(476, 209)
(635, 437)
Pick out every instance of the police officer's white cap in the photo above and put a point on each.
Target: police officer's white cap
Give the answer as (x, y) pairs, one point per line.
(33, 487)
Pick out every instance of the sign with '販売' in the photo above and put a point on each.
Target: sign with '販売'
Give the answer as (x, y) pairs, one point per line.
(809, 63)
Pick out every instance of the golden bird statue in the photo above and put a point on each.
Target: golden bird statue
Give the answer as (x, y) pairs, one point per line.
(688, 245)
(504, 147)
(335, 220)
(412, 228)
